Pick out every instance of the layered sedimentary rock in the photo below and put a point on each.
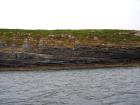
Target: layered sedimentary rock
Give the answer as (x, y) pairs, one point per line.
(77, 55)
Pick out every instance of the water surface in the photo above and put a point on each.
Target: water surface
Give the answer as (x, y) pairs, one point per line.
(108, 86)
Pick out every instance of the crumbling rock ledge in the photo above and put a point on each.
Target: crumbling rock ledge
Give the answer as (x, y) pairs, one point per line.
(68, 56)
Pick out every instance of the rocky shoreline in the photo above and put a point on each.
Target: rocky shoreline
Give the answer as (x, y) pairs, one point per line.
(78, 57)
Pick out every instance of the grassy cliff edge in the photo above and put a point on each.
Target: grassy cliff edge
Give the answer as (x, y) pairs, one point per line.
(70, 38)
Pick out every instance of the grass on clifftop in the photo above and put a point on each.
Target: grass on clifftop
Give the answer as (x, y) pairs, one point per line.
(68, 38)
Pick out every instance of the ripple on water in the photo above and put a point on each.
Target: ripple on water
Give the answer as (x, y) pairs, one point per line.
(109, 86)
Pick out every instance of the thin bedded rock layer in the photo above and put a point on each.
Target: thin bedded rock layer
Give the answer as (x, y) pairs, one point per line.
(78, 55)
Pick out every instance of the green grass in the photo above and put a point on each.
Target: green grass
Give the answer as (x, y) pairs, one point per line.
(84, 36)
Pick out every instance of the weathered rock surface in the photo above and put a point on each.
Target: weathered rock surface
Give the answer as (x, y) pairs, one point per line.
(2, 44)
(79, 55)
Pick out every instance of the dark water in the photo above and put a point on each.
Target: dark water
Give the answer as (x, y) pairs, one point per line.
(113, 86)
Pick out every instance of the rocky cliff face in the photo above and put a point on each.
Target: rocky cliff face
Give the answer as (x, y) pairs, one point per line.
(77, 55)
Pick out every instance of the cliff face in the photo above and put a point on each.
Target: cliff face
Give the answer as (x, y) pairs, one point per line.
(62, 47)
(77, 55)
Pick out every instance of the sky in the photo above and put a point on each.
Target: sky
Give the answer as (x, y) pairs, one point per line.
(70, 14)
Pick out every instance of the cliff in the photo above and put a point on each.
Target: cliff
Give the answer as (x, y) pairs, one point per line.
(65, 56)
(27, 48)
